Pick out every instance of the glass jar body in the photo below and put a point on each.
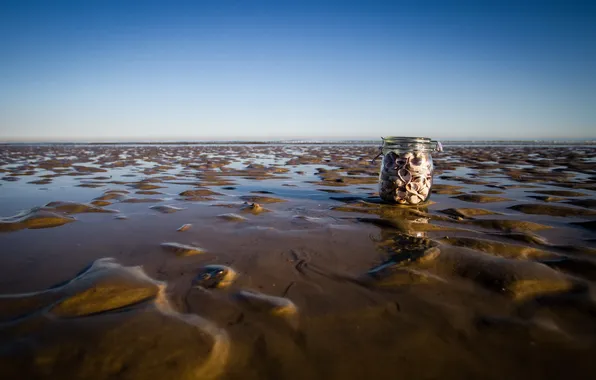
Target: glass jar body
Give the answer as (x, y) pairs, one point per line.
(406, 175)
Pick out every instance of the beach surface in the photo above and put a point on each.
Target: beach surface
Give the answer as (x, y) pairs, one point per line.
(281, 262)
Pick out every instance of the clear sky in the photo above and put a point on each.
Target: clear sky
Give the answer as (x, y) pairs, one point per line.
(250, 69)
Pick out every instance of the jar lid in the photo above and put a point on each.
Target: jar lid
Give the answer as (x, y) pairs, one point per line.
(415, 143)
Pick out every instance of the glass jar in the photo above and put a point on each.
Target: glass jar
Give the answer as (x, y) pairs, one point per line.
(407, 169)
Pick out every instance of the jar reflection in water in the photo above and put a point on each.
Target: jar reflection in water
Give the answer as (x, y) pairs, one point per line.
(407, 169)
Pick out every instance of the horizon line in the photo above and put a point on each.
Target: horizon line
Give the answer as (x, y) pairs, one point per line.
(283, 141)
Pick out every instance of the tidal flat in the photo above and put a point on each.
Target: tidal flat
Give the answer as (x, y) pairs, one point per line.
(282, 262)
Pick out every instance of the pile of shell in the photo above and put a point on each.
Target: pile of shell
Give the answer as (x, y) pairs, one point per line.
(406, 178)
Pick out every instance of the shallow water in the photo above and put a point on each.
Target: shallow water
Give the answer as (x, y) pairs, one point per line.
(329, 282)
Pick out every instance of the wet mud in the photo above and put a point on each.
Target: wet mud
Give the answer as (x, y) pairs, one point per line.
(282, 262)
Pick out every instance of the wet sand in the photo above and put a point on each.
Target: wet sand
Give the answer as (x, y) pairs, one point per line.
(281, 262)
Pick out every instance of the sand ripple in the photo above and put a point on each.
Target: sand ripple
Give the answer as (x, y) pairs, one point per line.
(33, 219)
(110, 315)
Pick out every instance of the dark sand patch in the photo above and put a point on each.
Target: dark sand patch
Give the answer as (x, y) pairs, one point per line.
(467, 212)
(348, 199)
(199, 193)
(333, 191)
(547, 198)
(261, 199)
(446, 189)
(520, 186)
(112, 195)
(335, 183)
(497, 248)
(209, 180)
(229, 205)
(166, 209)
(552, 210)
(588, 203)
(475, 198)
(525, 237)
(146, 186)
(182, 249)
(148, 192)
(117, 192)
(489, 192)
(101, 203)
(75, 208)
(585, 268)
(467, 181)
(508, 225)
(359, 180)
(43, 181)
(231, 217)
(91, 185)
(197, 199)
(590, 225)
(88, 169)
(186, 183)
(141, 200)
(560, 193)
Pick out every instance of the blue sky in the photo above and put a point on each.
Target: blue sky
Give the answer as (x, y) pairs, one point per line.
(170, 70)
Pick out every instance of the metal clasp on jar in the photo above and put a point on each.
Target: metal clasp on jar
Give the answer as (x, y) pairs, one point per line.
(438, 148)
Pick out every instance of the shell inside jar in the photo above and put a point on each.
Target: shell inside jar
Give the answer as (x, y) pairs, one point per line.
(406, 178)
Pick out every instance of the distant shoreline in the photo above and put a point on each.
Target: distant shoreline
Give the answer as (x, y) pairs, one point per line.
(314, 142)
